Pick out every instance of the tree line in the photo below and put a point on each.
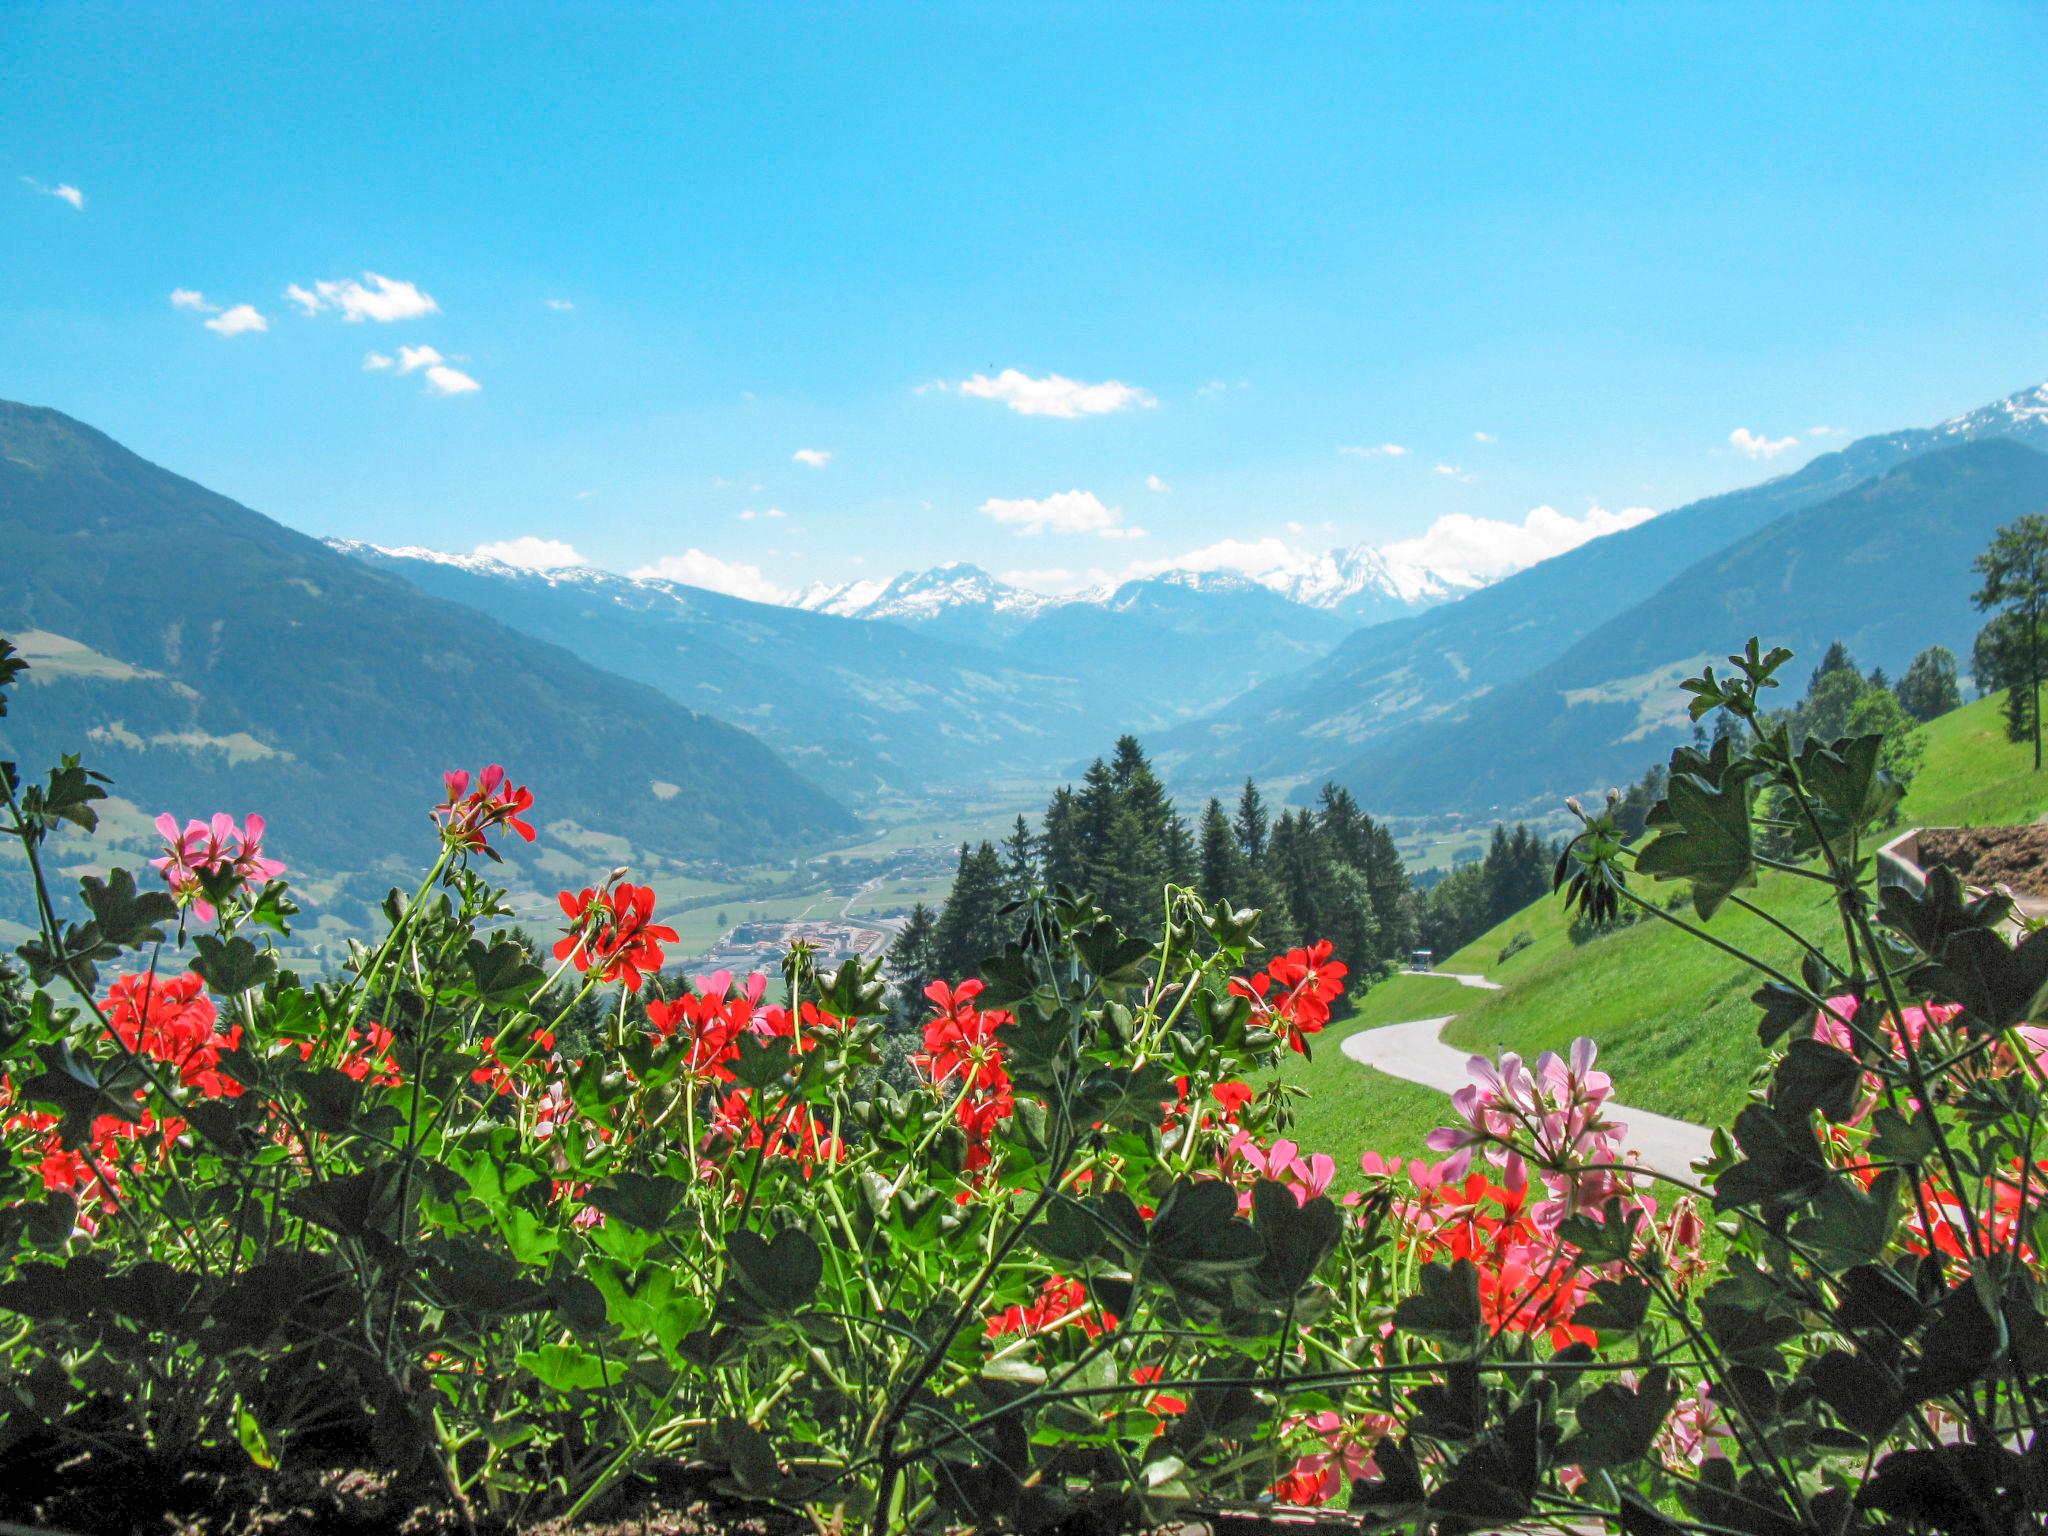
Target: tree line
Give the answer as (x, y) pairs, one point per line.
(1322, 871)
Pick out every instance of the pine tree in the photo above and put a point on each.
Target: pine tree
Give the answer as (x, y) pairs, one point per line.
(1063, 855)
(1179, 857)
(1251, 823)
(1019, 861)
(1836, 659)
(1394, 904)
(1222, 875)
(971, 926)
(913, 963)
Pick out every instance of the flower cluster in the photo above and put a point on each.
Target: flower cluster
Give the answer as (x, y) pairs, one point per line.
(964, 1061)
(468, 816)
(1060, 1303)
(209, 861)
(169, 1021)
(613, 930)
(1293, 994)
(1552, 1117)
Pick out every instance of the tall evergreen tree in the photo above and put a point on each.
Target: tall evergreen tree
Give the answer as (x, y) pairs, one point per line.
(1182, 863)
(1251, 822)
(1063, 851)
(971, 927)
(1394, 903)
(913, 963)
(1019, 858)
(1222, 872)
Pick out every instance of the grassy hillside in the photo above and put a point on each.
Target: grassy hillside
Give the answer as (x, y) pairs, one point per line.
(1672, 1015)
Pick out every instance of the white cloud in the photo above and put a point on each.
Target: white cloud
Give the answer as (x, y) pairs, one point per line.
(443, 380)
(1482, 437)
(233, 322)
(1061, 512)
(376, 362)
(377, 297)
(1827, 431)
(1296, 528)
(559, 304)
(412, 359)
(1377, 451)
(750, 514)
(192, 298)
(1754, 445)
(532, 552)
(1217, 387)
(1126, 533)
(1154, 483)
(817, 458)
(694, 568)
(1486, 548)
(1055, 394)
(63, 192)
(1452, 472)
(585, 495)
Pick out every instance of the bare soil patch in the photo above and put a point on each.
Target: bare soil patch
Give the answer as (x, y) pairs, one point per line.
(2009, 856)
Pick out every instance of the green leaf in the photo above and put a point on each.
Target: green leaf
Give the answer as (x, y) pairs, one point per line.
(1997, 983)
(1298, 1237)
(639, 1199)
(1615, 1306)
(1704, 837)
(503, 974)
(1849, 791)
(567, 1368)
(1816, 1075)
(772, 1279)
(1848, 1227)
(1864, 1395)
(1447, 1306)
(1617, 1426)
(233, 965)
(126, 917)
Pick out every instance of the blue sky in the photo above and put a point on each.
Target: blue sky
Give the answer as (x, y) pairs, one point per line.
(1607, 238)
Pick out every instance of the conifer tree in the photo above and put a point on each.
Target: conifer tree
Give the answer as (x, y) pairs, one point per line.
(971, 926)
(913, 963)
(1221, 877)
(1019, 859)
(1929, 687)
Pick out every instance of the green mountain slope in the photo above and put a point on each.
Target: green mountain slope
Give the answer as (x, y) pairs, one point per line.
(1884, 567)
(1672, 1015)
(1392, 682)
(211, 659)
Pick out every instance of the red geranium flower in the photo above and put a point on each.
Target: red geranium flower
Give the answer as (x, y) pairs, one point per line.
(614, 930)
(1293, 994)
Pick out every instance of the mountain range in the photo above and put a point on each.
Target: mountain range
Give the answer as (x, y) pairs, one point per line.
(1401, 693)
(209, 658)
(957, 681)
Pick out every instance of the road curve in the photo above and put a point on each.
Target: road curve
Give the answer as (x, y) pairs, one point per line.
(1415, 1053)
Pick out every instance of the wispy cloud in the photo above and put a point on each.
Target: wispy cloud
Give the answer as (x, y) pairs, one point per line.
(532, 552)
(559, 304)
(1155, 484)
(750, 514)
(192, 298)
(694, 568)
(1061, 512)
(1055, 394)
(375, 297)
(1482, 437)
(1485, 548)
(1452, 472)
(1054, 580)
(1376, 451)
(817, 458)
(1827, 431)
(237, 321)
(442, 377)
(1754, 445)
(64, 192)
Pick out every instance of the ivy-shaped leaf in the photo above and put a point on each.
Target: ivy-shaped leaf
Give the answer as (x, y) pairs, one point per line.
(232, 965)
(1704, 837)
(126, 917)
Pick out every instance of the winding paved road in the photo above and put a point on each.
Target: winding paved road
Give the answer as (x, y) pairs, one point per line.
(1415, 1053)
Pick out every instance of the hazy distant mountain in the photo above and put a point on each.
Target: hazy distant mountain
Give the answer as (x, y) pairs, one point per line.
(1389, 681)
(1885, 567)
(863, 708)
(210, 659)
(1358, 584)
(965, 683)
